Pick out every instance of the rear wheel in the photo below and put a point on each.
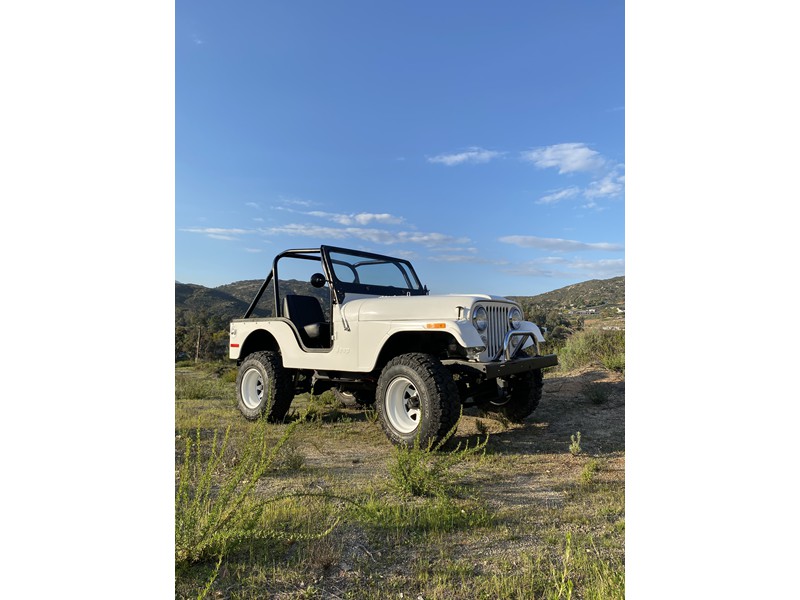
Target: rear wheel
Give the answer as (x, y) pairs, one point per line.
(416, 398)
(263, 387)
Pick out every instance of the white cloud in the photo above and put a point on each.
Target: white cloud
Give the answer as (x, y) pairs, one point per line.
(551, 260)
(610, 267)
(559, 195)
(430, 239)
(598, 269)
(218, 233)
(464, 258)
(359, 218)
(472, 155)
(541, 267)
(308, 230)
(253, 250)
(297, 202)
(365, 218)
(567, 158)
(407, 254)
(557, 245)
(471, 249)
(252, 205)
(530, 270)
(376, 236)
(608, 186)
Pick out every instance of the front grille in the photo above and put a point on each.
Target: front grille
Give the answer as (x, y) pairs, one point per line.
(497, 329)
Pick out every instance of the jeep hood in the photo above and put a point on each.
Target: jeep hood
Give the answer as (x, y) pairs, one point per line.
(414, 308)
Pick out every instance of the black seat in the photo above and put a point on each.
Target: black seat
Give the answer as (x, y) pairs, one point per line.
(306, 313)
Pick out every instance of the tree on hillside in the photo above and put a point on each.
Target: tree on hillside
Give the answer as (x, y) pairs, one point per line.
(198, 334)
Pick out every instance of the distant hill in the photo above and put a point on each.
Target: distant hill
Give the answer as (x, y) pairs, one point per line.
(589, 294)
(230, 301)
(198, 298)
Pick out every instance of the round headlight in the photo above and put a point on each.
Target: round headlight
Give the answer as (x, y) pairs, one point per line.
(480, 319)
(515, 317)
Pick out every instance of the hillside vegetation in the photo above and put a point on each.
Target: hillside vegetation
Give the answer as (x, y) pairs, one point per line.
(589, 294)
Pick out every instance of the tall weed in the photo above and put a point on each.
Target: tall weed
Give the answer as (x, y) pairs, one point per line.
(193, 388)
(598, 579)
(419, 471)
(215, 505)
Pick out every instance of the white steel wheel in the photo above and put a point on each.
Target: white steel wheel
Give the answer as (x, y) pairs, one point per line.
(252, 389)
(416, 400)
(264, 387)
(403, 405)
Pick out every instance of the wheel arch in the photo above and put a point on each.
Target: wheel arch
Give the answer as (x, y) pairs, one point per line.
(259, 340)
(437, 344)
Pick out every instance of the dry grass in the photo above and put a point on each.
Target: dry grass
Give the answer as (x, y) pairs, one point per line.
(527, 520)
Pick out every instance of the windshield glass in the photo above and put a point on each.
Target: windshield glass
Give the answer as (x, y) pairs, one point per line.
(362, 272)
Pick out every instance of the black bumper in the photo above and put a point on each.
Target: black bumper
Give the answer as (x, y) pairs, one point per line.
(510, 367)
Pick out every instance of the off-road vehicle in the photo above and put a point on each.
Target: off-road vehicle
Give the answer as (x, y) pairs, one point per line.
(374, 334)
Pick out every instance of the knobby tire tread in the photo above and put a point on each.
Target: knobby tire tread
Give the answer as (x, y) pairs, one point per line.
(438, 383)
(283, 384)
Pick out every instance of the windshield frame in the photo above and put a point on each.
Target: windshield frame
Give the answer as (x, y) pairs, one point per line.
(413, 288)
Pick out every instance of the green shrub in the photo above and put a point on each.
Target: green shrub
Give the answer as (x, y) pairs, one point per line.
(597, 392)
(598, 578)
(592, 347)
(195, 388)
(439, 514)
(291, 458)
(371, 415)
(421, 471)
(575, 446)
(328, 398)
(615, 362)
(215, 506)
(589, 470)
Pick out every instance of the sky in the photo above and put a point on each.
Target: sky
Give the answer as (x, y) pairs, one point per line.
(484, 142)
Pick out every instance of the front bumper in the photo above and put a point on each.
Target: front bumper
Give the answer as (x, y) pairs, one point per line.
(508, 367)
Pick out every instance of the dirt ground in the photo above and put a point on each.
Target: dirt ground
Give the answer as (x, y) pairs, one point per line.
(527, 481)
(563, 411)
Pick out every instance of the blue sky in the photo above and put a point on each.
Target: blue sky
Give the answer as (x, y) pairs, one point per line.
(484, 142)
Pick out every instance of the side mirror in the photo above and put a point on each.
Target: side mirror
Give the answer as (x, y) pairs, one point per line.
(318, 280)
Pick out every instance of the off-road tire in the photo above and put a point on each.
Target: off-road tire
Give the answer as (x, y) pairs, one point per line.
(416, 397)
(524, 393)
(264, 387)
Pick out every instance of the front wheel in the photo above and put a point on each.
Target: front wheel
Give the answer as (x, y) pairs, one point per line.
(263, 387)
(416, 398)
